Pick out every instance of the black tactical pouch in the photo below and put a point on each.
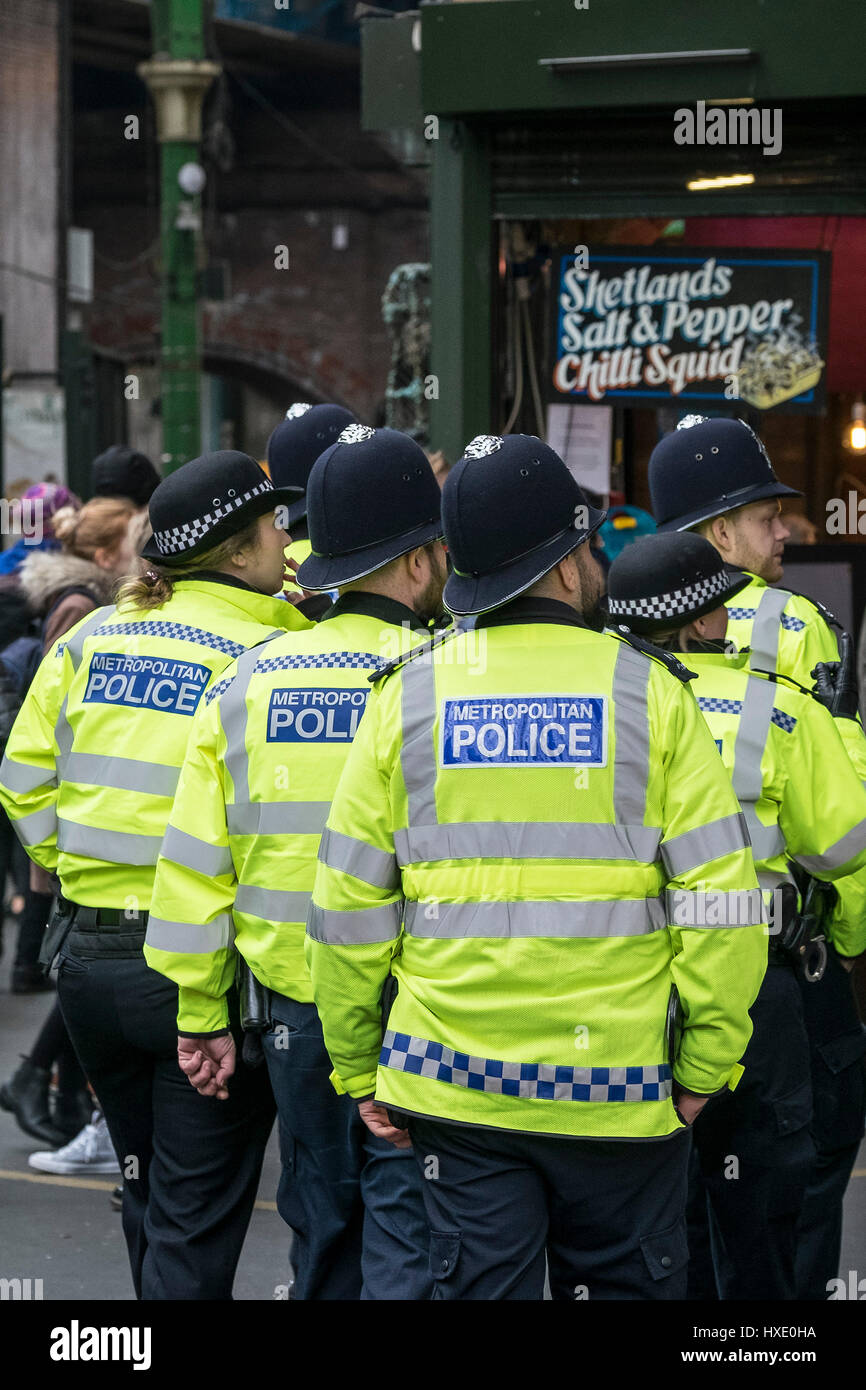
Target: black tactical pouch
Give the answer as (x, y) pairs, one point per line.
(59, 926)
(255, 1012)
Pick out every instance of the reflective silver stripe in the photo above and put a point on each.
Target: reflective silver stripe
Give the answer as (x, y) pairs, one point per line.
(192, 853)
(271, 904)
(619, 917)
(705, 843)
(769, 882)
(735, 908)
(526, 840)
(768, 842)
(764, 641)
(631, 730)
(837, 855)
(751, 740)
(277, 817)
(233, 713)
(63, 737)
(109, 846)
(36, 828)
(525, 1080)
(374, 866)
(75, 648)
(126, 774)
(365, 927)
(24, 777)
(190, 938)
(75, 644)
(418, 754)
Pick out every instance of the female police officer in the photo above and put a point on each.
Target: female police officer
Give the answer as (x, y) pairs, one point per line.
(88, 780)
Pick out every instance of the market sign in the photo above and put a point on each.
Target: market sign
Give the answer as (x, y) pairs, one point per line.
(639, 325)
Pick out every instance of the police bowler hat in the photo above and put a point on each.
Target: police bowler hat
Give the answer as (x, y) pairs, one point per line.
(511, 510)
(205, 501)
(662, 582)
(295, 444)
(707, 467)
(371, 497)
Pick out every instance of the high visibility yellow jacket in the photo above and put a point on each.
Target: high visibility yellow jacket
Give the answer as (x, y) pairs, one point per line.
(239, 856)
(298, 551)
(536, 810)
(788, 633)
(783, 631)
(801, 796)
(93, 759)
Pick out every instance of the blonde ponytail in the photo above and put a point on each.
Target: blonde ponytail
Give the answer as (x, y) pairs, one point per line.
(156, 586)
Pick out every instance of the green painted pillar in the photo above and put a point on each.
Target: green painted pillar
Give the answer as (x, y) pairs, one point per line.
(178, 77)
(461, 237)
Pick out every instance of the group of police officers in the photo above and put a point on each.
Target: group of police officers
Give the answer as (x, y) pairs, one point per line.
(584, 1016)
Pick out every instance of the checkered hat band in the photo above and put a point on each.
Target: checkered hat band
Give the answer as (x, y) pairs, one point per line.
(179, 631)
(527, 1080)
(184, 537)
(711, 705)
(672, 605)
(319, 661)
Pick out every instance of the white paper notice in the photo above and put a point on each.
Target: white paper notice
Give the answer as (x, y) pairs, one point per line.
(581, 435)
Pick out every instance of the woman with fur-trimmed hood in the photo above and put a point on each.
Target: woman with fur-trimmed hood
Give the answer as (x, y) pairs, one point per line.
(97, 547)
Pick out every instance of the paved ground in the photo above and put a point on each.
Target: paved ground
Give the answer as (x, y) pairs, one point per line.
(63, 1231)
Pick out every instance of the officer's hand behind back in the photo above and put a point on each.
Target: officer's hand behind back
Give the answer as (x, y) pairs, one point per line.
(207, 1063)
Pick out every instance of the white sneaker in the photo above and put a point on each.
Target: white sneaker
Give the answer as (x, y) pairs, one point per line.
(91, 1151)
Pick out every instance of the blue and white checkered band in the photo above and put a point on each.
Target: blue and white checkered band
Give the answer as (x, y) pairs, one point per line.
(217, 690)
(482, 445)
(736, 613)
(672, 605)
(792, 624)
(355, 434)
(710, 704)
(180, 632)
(179, 538)
(319, 661)
(688, 420)
(528, 1080)
(295, 411)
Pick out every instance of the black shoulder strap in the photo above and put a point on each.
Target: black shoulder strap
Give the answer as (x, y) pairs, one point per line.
(382, 672)
(640, 644)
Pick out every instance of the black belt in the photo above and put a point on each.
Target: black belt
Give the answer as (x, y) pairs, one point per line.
(106, 931)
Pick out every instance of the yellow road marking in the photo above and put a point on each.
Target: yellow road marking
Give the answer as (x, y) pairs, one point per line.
(95, 1183)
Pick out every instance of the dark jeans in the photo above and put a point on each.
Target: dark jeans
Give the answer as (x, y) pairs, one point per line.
(754, 1153)
(838, 1045)
(610, 1213)
(353, 1202)
(191, 1163)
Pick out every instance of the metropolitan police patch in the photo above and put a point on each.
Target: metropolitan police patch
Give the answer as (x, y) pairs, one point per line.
(525, 731)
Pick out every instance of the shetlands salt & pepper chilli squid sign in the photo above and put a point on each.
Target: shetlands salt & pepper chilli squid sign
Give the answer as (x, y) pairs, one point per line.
(638, 325)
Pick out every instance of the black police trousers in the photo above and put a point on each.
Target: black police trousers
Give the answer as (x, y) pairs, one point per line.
(190, 1163)
(838, 1045)
(753, 1155)
(608, 1213)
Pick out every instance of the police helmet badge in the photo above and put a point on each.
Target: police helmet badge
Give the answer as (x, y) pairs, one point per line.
(482, 445)
(355, 434)
(299, 408)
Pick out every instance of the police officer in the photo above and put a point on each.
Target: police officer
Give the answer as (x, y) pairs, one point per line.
(298, 440)
(803, 802)
(527, 814)
(714, 476)
(241, 846)
(90, 771)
